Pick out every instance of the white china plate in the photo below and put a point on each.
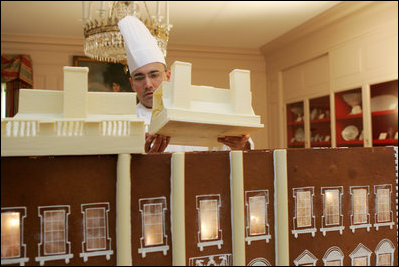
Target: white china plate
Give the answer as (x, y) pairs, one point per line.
(383, 102)
(350, 132)
(299, 135)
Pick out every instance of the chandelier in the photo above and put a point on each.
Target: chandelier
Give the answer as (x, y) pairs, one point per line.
(103, 40)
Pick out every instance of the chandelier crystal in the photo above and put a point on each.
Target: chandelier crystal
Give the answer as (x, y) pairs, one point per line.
(103, 40)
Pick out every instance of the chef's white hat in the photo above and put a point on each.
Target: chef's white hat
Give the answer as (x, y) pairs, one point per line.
(141, 46)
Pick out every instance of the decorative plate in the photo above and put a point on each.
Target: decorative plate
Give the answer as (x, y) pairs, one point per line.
(383, 102)
(350, 133)
(299, 135)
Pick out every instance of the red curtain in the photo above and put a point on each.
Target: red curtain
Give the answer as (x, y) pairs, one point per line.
(17, 73)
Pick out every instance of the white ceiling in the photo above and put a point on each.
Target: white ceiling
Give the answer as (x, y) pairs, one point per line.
(236, 24)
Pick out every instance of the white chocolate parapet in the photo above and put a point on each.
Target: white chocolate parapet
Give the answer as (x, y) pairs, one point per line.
(73, 121)
(197, 115)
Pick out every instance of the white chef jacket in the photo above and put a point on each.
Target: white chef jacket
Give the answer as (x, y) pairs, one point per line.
(145, 113)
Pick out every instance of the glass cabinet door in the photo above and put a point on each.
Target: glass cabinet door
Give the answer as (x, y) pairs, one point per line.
(319, 118)
(295, 125)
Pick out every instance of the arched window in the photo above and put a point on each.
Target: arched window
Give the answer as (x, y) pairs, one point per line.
(360, 256)
(305, 259)
(333, 257)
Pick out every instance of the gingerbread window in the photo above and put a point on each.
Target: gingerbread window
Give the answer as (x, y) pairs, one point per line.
(305, 259)
(332, 218)
(153, 237)
(360, 217)
(304, 220)
(54, 244)
(360, 256)
(257, 225)
(384, 253)
(13, 249)
(383, 213)
(208, 210)
(333, 257)
(96, 240)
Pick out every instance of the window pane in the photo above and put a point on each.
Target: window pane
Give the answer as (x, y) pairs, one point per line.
(360, 206)
(209, 219)
(95, 228)
(153, 224)
(384, 259)
(304, 209)
(10, 234)
(332, 207)
(54, 232)
(257, 215)
(360, 261)
(333, 263)
(383, 205)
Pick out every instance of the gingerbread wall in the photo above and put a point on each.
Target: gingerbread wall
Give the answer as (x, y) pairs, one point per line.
(207, 173)
(34, 182)
(150, 180)
(346, 168)
(259, 175)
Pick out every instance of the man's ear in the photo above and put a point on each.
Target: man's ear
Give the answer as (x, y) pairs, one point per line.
(131, 84)
(168, 75)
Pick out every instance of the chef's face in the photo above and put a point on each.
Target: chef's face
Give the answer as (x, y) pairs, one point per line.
(147, 79)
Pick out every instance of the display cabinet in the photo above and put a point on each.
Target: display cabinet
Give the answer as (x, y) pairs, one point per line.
(319, 119)
(384, 113)
(295, 125)
(349, 118)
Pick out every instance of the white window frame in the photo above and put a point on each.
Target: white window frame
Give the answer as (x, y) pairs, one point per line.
(42, 258)
(216, 242)
(333, 254)
(266, 236)
(390, 223)
(360, 251)
(107, 251)
(306, 257)
(211, 260)
(305, 230)
(259, 262)
(340, 226)
(367, 225)
(164, 247)
(385, 246)
(21, 259)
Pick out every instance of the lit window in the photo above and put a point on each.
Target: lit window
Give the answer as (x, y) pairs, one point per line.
(304, 221)
(10, 235)
(360, 206)
(333, 263)
(257, 227)
(332, 219)
(209, 233)
(54, 244)
(54, 232)
(153, 225)
(384, 253)
(304, 209)
(96, 240)
(360, 217)
(209, 219)
(384, 260)
(13, 249)
(383, 212)
(360, 261)
(153, 236)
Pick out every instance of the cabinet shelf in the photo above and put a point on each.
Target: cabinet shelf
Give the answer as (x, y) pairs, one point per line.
(351, 142)
(351, 116)
(295, 123)
(296, 144)
(320, 120)
(384, 112)
(385, 142)
(321, 143)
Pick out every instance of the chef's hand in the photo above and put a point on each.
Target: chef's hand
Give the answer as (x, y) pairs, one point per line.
(155, 143)
(236, 142)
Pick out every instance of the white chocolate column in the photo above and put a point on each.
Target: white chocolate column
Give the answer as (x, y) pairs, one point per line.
(240, 90)
(178, 212)
(281, 207)
(181, 84)
(237, 207)
(75, 92)
(123, 211)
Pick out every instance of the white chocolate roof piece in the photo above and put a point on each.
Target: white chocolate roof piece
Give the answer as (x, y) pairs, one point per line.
(197, 115)
(73, 121)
